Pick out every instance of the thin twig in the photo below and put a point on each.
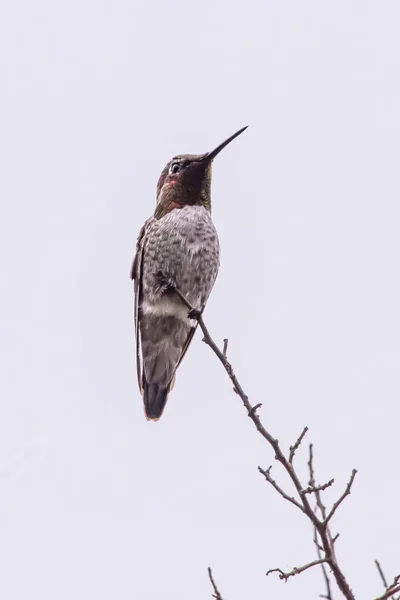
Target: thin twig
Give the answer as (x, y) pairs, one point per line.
(391, 589)
(322, 508)
(296, 570)
(280, 491)
(312, 482)
(255, 407)
(313, 489)
(381, 573)
(342, 497)
(186, 303)
(390, 592)
(216, 593)
(225, 348)
(295, 446)
(328, 595)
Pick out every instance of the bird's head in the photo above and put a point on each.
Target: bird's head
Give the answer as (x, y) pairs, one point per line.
(186, 180)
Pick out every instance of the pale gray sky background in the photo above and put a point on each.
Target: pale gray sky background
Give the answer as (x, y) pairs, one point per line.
(95, 98)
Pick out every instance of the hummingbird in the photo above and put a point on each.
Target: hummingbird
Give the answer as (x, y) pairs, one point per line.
(177, 248)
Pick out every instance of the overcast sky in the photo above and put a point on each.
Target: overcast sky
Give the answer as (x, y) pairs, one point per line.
(95, 502)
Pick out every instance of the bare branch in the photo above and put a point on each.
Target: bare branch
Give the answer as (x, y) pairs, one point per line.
(216, 593)
(327, 541)
(312, 483)
(296, 570)
(280, 491)
(342, 497)
(380, 571)
(254, 408)
(225, 348)
(328, 595)
(396, 581)
(390, 589)
(295, 447)
(390, 592)
(313, 489)
(303, 502)
(185, 302)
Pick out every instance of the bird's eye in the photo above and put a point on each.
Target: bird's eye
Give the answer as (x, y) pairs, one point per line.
(174, 168)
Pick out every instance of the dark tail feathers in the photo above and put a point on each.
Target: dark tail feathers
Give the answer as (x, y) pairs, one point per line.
(155, 399)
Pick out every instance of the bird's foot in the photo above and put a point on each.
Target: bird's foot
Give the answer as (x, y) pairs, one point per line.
(194, 313)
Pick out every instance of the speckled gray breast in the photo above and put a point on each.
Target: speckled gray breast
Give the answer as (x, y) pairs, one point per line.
(184, 246)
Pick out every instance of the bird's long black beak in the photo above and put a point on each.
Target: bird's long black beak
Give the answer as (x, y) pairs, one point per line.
(211, 155)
